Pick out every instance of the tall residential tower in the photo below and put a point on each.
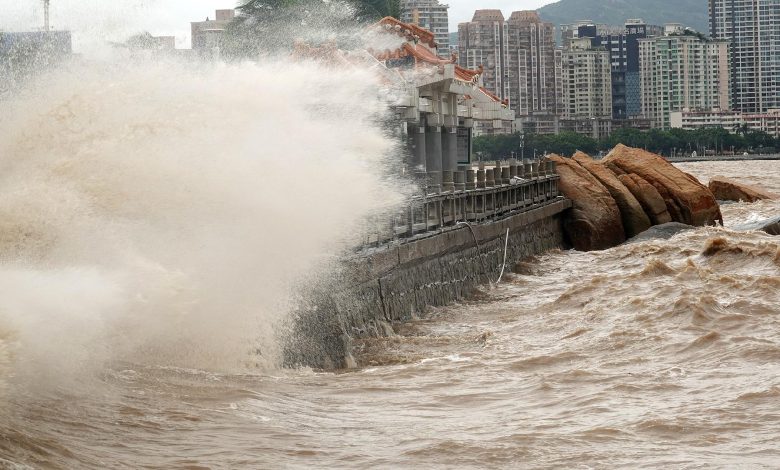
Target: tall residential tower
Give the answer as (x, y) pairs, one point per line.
(521, 63)
(531, 70)
(682, 71)
(431, 15)
(753, 29)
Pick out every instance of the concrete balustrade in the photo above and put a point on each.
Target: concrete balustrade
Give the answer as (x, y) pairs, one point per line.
(483, 200)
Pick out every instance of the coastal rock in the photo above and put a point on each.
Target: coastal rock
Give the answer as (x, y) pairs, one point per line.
(687, 200)
(635, 220)
(594, 222)
(726, 189)
(648, 197)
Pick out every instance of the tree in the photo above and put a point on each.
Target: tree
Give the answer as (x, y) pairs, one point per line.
(269, 26)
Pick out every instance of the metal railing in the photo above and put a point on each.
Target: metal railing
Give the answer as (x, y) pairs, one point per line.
(471, 195)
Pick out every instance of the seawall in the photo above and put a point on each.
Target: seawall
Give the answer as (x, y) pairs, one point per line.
(397, 282)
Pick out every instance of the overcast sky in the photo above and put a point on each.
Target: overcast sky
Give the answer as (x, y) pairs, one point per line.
(101, 20)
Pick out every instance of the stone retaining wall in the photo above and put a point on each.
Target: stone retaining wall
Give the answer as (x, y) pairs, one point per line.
(397, 282)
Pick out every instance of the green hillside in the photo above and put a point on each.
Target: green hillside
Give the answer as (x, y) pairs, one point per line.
(691, 13)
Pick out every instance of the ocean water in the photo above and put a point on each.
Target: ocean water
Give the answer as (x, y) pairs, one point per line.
(154, 219)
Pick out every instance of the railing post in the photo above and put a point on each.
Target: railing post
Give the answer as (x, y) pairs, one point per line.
(490, 178)
(470, 176)
(460, 179)
(410, 220)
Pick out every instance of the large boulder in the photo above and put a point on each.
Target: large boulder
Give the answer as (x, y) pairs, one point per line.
(648, 197)
(635, 220)
(687, 200)
(594, 222)
(726, 189)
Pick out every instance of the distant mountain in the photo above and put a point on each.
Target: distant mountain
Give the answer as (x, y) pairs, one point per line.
(454, 39)
(691, 13)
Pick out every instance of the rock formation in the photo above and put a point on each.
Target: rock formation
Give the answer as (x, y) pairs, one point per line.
(648, 196)
(635, 220)
(725, 189)
(686, 200)
(594, 222)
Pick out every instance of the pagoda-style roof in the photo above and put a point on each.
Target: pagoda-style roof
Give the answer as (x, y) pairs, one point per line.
(420, 46)
(410, 32)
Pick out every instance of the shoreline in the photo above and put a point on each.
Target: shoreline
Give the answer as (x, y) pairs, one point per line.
(723, 158)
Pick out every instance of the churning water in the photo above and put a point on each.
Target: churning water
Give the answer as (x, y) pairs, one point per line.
(157, 212)
(153, 219)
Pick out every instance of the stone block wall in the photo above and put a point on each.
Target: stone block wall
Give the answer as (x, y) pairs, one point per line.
(397, 282)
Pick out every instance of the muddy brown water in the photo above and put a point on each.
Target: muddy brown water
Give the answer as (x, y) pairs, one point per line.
(649, 355)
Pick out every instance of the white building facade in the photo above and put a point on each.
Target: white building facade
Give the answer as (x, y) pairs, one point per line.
(587, 81)
(682, 70)
(431, 15)
(752, 27)
(732, 121)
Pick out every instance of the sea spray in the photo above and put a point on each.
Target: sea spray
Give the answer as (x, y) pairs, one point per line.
(158, 212)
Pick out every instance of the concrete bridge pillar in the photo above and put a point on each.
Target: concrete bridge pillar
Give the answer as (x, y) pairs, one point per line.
(449, 148)
(433, 157)
(447, 181)
(417, 165)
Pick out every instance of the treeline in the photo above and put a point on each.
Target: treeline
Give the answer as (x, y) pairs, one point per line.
(272, 26)
(674, 142)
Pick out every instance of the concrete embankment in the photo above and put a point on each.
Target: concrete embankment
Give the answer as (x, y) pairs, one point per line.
(396, 283)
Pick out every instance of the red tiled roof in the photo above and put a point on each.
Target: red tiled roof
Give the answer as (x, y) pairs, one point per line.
(410, 31)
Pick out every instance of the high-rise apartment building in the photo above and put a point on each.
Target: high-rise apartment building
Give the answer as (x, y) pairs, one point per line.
(753, 29)
(520, 60)
(623, 48)
(431, 15)
(587, 81)
(481, 43)
(682, 70)
(530, 72)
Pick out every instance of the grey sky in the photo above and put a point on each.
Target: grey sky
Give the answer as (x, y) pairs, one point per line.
(101, 20)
